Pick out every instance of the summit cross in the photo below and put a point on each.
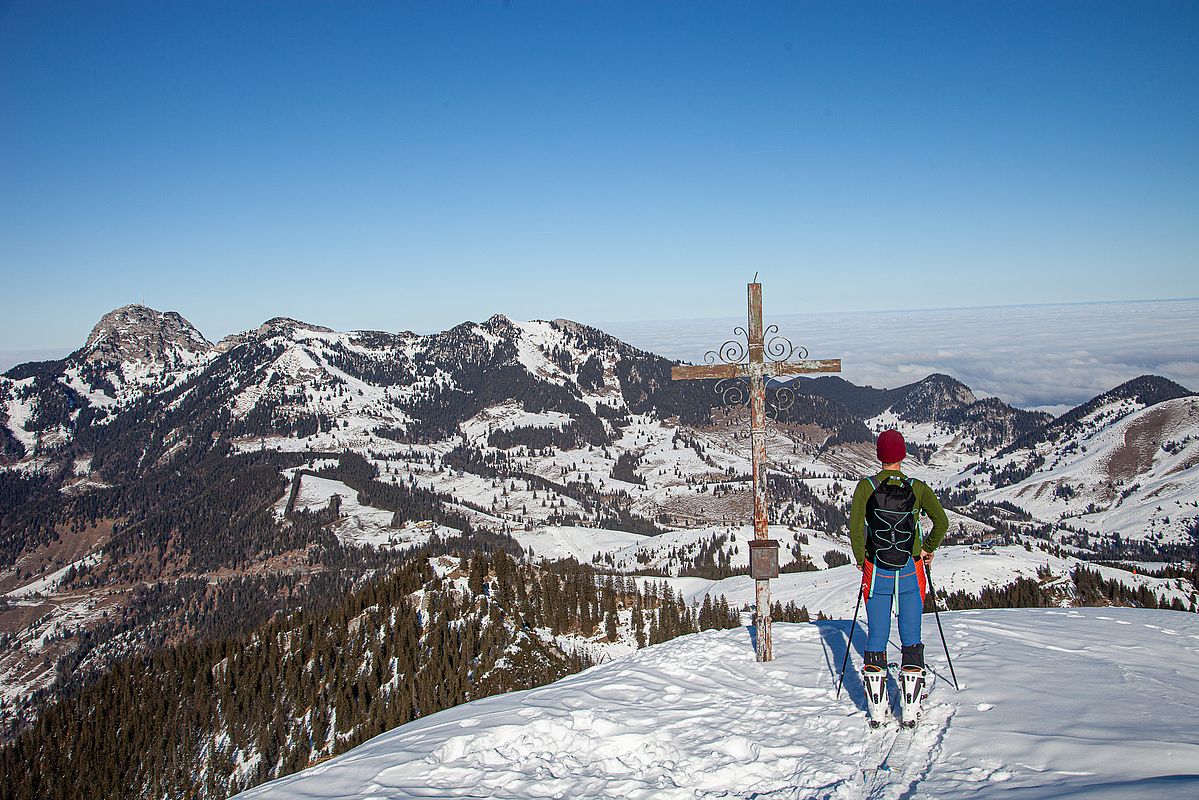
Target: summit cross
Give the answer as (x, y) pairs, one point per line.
(763, 550)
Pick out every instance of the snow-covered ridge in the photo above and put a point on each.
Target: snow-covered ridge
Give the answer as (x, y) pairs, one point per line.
(697, 717)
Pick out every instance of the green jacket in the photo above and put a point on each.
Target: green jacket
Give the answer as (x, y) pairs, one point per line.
(926, 501)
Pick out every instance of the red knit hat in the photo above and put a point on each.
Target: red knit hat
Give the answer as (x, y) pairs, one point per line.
(891, 449)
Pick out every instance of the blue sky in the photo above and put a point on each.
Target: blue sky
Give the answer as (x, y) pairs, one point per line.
(412, 165)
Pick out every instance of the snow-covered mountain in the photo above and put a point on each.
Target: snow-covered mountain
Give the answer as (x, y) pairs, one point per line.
(151, 466)
(937, 405)
(133, 351)
(1052, 704)
(1124, 466)
(547, 431)
(135, 333)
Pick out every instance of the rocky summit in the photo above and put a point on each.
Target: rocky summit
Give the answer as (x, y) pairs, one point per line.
(135, 333)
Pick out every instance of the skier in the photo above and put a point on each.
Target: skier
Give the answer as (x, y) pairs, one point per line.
(884, 528)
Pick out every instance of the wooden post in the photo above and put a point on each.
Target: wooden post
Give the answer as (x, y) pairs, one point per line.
(757, 436)
(757, 370)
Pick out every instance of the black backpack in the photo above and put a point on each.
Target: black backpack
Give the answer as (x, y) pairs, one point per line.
(891, 522)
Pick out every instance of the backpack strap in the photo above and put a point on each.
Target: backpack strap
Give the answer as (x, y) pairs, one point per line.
(915, 506)
(917, 511)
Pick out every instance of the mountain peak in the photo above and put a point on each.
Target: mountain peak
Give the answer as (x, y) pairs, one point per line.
(139, 333)
(500, 325)
(932, 398)
(1148, 390)
(947, 383)
(1143, 390)
(276, 325)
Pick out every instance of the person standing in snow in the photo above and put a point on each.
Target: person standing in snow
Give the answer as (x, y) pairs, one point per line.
(884, 528)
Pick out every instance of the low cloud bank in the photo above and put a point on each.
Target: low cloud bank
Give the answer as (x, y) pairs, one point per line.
(1051, 357)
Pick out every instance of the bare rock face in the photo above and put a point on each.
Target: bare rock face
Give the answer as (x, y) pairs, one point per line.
(135, 333)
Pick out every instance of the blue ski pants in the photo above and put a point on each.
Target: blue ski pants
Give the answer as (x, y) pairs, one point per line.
(899, 590)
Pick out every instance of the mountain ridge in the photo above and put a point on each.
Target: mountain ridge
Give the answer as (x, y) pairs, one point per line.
(1145, 390)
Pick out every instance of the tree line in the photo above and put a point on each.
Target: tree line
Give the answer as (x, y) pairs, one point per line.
(185, 720)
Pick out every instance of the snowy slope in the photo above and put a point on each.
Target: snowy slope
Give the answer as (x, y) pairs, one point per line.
(359, 524)
(670, 551)
(697, 717)
(1136, 476)
(582, 544)
(835, 591)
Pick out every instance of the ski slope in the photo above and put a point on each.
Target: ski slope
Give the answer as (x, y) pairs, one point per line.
(1067, 703)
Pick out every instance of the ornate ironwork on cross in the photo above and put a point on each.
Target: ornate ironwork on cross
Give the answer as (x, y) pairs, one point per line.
(753, 362)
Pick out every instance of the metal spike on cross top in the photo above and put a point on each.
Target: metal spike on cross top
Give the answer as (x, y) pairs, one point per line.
(756, 360)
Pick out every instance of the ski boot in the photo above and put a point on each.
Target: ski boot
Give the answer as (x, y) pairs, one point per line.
(911, 684)
(874, 678)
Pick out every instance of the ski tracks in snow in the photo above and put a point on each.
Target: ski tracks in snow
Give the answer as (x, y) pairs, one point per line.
(697, 719)
(851, 762)
(890, 763)
(773, 732)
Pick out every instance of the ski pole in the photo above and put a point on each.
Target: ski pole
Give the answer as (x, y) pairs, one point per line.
(849, 644)
(928, 574)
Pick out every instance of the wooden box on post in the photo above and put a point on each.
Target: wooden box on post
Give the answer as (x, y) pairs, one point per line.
(763, 559)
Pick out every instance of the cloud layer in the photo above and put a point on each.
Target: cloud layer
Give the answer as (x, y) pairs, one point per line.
(1051, 357)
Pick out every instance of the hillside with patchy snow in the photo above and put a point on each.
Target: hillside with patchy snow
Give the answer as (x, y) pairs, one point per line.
(1092, 703)
(1122, 469)
(524, 425)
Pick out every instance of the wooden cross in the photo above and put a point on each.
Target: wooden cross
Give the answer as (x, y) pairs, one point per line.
(763, 551)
